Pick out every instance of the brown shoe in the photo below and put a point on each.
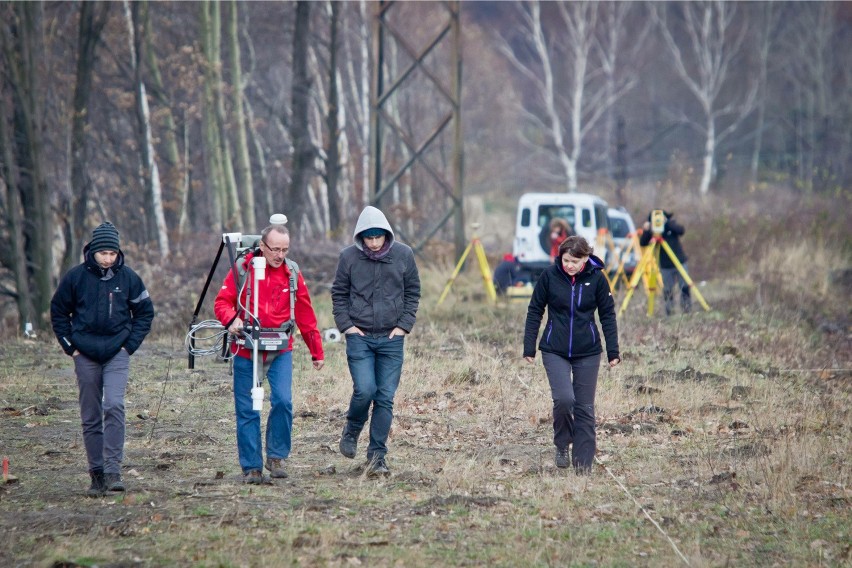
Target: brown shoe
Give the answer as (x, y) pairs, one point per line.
(276, 467)
(253, 477)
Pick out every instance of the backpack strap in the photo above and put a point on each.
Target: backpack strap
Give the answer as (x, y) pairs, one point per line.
(294, 283)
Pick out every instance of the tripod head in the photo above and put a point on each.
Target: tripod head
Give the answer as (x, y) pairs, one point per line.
(658, 222)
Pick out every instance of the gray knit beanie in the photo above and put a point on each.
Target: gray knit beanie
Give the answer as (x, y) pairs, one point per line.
(104, 237)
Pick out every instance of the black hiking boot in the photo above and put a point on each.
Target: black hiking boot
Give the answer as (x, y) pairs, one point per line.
(113, 482)
(378, 468)
(98, 487)
(562, 458)
(348, 444)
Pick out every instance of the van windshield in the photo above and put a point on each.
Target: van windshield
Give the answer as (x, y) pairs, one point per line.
(618, 227)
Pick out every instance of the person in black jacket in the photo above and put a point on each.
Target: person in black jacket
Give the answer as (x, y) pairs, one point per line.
(101, 313)
(375, 295)
(572, 290)
(672, 279)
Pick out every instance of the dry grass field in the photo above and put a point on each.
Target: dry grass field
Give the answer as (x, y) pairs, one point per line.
(724, 440)
(731, 434)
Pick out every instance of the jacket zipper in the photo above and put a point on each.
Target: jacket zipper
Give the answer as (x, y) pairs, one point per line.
(110, 305)
(571, 323)
(549, 330)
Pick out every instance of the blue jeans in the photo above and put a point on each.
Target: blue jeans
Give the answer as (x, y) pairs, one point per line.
(101, 396)
(279, 424)
(375, 364)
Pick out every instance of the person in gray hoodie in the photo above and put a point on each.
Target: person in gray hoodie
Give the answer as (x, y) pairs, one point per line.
(375, 296)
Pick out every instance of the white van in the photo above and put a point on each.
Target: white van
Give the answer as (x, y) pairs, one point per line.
(585, 213)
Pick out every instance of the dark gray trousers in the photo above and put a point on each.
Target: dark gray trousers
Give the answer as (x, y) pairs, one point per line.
(101, 395)
(672, 280)
(572, 384)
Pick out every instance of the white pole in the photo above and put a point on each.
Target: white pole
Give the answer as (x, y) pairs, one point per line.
(259, 265)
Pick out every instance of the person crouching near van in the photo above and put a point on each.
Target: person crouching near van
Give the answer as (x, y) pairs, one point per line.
(559, 231)
(100, 313)
(572, 290)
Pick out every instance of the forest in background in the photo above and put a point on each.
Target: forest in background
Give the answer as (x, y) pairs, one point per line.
(177, 120)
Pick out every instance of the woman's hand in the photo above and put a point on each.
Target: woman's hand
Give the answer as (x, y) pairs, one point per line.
(529, 360)
(614, 362)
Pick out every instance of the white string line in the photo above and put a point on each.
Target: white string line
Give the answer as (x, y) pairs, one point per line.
(659, 528)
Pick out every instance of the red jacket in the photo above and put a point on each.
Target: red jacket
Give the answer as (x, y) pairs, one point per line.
(273, 308)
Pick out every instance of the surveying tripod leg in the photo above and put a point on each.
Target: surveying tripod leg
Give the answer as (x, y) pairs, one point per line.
(485, 270)
(685, 276)
(638, 272)
(455, 274)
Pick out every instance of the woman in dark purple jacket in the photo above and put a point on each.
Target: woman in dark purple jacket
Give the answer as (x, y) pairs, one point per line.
(572, 289)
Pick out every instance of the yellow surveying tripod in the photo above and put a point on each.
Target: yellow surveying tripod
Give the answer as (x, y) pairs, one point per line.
(484, 269)
(650, 263)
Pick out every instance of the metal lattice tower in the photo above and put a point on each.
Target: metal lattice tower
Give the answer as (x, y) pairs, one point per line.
(386, 129)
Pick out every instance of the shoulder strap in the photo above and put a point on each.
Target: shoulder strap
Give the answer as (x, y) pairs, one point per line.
(294, 283)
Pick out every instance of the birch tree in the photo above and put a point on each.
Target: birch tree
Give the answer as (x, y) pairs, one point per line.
(149, 172)
(565, 73)
(713, 43)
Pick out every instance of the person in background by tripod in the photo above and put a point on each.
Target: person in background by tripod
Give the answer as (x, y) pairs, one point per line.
(672, 231)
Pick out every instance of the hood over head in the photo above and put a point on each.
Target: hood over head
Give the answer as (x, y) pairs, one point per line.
(371, 218)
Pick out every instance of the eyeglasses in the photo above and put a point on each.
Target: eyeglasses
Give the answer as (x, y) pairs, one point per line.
(275, 251)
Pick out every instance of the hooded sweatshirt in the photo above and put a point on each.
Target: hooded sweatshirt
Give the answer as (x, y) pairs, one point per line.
(375, 292)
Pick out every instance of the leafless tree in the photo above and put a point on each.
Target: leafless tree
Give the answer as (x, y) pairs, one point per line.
(565, 72)
(149, 171)
(704, 65)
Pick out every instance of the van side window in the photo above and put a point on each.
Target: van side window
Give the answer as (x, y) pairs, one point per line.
(587, 218)
(525, 217)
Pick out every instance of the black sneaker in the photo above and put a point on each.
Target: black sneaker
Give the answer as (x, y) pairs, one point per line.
(113, 482)
(253, 477)
(98, 486)
(562, 458)
(276, 468)
(348, 444)
(378, 468)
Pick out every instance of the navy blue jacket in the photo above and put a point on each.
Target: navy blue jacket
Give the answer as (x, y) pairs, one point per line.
(97, 311)
(571, 330)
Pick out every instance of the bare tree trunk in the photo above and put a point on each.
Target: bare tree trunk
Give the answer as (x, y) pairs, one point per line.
(303, 151)
(332, 168)
(13, 255)
(213, 158)
(150, 174)
(23, 43)
(93, 17)
(176, 170)
(244, 176)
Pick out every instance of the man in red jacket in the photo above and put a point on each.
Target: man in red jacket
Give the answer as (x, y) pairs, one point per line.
(273, 311)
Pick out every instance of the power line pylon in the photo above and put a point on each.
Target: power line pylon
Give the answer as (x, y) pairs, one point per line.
(382, 121)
